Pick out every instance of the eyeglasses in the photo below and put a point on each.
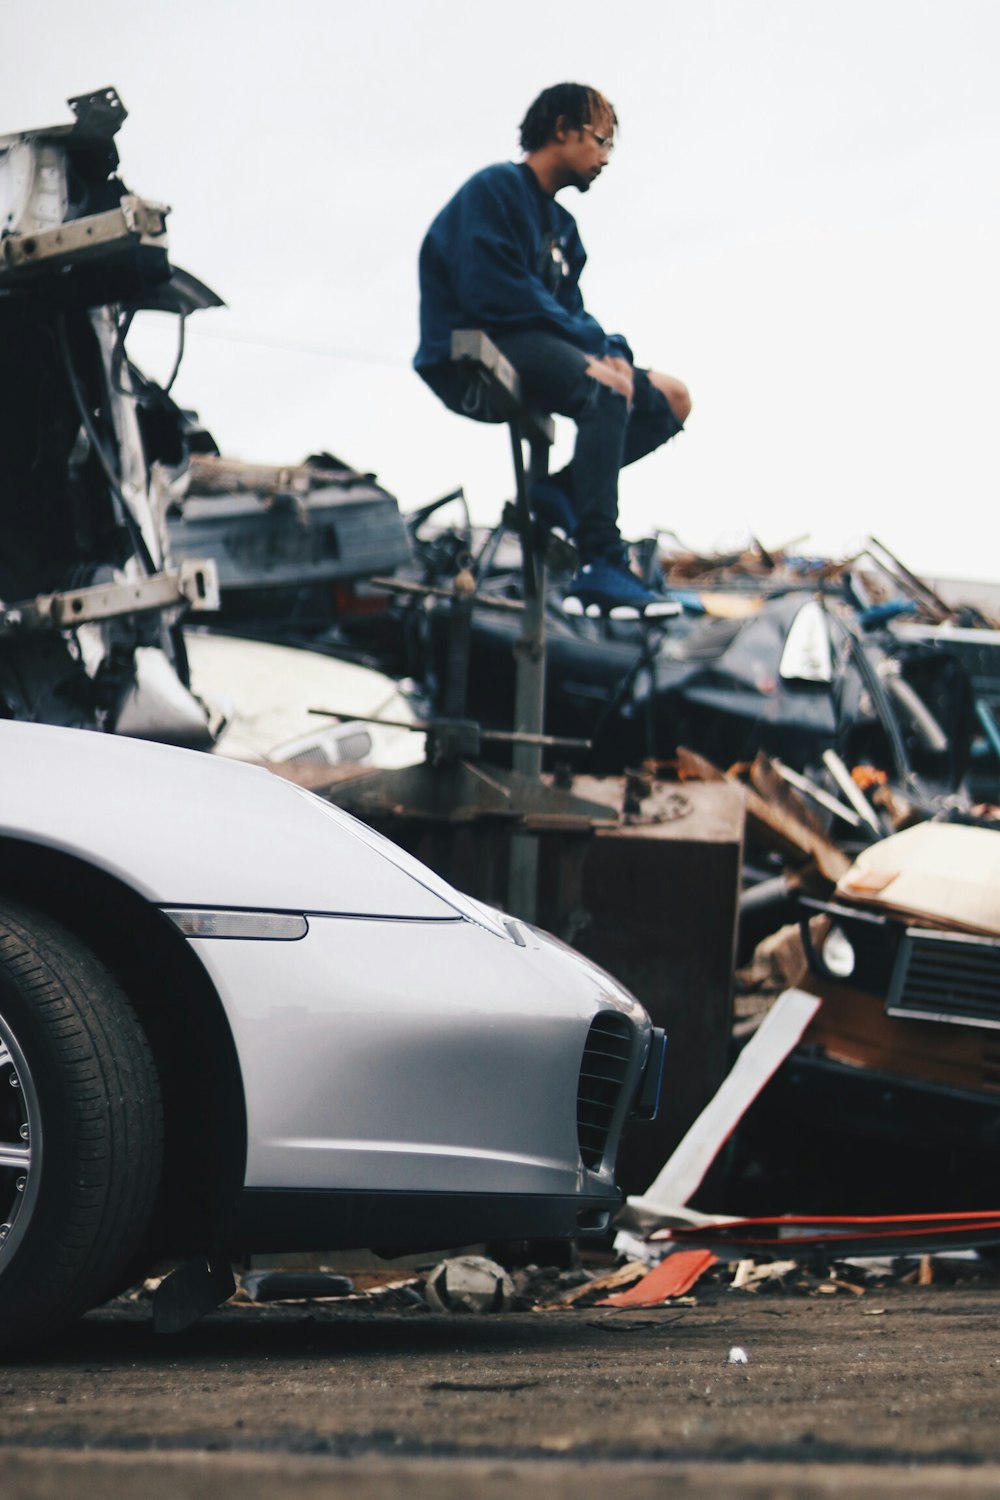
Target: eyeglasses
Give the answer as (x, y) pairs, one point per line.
(604, 142)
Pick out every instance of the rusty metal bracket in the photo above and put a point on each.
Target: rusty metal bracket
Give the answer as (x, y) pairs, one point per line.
(194, 584)
(136, 221)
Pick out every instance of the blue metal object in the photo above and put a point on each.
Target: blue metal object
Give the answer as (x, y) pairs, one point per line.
(880, 614)
(647, 1104)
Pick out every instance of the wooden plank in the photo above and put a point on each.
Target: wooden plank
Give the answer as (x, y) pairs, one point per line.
(781, 795)
(781, 830)
(777, 817)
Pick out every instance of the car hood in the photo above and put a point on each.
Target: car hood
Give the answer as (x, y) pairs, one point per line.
(944, 873)
(268, 695)
(188, 829)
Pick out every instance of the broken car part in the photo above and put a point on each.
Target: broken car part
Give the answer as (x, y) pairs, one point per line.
(469, 1284)
(86, 591)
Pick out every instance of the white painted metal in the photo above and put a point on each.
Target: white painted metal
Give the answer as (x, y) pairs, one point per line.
(265, 693)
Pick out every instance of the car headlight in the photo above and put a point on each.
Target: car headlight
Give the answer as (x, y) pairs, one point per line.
(838, 954)
(807, 655)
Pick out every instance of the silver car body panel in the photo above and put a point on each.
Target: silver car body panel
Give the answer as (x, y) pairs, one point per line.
(426, 1056)
(405, 1041)
(187, 829)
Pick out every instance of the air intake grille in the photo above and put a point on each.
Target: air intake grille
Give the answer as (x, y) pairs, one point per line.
(314, 756)
(947, 977)
(606, 1059)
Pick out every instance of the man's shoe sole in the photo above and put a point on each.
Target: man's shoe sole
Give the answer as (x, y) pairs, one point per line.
(596, 609)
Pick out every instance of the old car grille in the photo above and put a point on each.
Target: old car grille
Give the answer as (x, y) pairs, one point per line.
(314, 756)
(945, 976)
(603, 1071)
(332, 749)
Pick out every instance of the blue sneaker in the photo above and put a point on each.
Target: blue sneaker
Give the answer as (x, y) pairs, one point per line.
(610, 588)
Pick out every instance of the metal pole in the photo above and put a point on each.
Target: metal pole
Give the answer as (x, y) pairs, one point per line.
(529, 692)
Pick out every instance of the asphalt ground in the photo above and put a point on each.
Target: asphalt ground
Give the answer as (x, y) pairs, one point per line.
(896, 1391)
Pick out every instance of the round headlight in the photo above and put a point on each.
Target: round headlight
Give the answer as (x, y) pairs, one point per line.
(838, 955)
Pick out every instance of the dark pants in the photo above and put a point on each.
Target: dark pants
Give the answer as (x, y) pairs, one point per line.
(609, 434)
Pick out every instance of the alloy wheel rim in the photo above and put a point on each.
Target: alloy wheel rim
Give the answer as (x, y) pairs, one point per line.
(20, 1144)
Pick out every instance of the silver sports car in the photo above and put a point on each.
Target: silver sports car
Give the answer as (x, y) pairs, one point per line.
(234, 1019)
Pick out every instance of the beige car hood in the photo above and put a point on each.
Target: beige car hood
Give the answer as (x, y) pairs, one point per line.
(944, 873)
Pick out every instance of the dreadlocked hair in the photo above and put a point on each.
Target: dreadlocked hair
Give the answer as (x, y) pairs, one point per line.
(575, 103)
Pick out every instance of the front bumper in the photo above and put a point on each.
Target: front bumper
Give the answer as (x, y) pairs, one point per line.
(423, 1057)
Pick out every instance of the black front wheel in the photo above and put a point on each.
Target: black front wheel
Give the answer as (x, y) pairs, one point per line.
(81, 1128)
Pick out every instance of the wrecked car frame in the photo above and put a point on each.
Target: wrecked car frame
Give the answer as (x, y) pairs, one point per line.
(83, 578)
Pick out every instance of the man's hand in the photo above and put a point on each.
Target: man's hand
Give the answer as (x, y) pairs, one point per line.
(614, 372)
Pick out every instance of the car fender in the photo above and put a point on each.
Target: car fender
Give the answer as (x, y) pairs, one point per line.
(184, 828)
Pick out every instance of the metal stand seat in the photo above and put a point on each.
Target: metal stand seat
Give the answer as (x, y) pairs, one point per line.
(501, 388)
(502, 391)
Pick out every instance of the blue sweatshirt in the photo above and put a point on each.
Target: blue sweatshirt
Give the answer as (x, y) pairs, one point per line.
(504, 257)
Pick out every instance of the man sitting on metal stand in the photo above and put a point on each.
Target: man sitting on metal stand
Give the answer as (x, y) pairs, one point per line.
(504, 257)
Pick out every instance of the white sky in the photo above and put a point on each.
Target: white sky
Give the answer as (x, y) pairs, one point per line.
(802, 221)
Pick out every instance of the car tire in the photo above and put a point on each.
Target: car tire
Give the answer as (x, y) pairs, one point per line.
(81, 1128)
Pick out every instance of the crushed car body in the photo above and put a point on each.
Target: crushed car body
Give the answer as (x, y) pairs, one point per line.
(890, 1101)
(84, 581)
(119, 516)
(285, 538)
(792, 656)
(265, 701)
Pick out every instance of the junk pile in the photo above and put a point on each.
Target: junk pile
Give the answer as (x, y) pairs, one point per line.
(663, 1278)
(890, 1101)
(90, 603)
(854, 710)
(858, 656)
(684, 1278)
(850, 711)
(773, 652)
(121, 520)
(880, 916)
(288, 540)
